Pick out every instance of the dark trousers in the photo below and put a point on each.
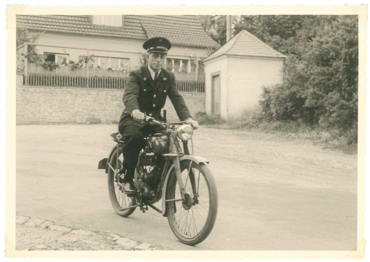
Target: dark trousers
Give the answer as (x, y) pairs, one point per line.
(134, 136)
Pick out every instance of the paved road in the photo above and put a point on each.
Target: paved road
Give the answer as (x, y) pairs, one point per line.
(274, 193)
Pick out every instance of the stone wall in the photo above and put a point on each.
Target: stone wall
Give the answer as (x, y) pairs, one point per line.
(19, 81)
(54, 105)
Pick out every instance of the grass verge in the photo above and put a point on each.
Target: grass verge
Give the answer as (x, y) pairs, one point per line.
(252, 120)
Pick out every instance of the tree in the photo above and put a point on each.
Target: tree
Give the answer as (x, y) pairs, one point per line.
(215, 26)
(23, 36)
(320, 76)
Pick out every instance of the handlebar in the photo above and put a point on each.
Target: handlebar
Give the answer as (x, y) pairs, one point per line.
(150, 119)
(153, 120)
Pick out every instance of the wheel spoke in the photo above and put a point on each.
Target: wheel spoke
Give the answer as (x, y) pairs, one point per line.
(181, 215)
(202, 208)
(183, 225)
(189, 225)
(199, 220)
(179, 211)
(186, 222)
(201, 214)
(194, 221)
(195, 224)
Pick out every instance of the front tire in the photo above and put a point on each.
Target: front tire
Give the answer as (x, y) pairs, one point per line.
(118, 198)
(192, 222)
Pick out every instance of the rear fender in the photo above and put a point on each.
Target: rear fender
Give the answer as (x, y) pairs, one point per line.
(196, 159)
(103, 164)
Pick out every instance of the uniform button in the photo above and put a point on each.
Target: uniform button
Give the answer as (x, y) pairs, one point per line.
(154, 96)
(153, 105)
(144, 89)
(164, 91)
(150, 114)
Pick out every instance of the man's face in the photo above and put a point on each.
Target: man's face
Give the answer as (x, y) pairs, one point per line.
(156, 61)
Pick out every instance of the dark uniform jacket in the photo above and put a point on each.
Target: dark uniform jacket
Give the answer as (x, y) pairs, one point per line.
(142, 93)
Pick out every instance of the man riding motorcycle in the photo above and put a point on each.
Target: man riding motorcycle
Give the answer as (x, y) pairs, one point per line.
(145, 94)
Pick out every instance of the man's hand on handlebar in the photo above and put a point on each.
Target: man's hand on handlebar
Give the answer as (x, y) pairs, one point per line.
(192, 122)
(137, 115)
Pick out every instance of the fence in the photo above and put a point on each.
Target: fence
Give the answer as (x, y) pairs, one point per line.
(98, 82)
(100, 72)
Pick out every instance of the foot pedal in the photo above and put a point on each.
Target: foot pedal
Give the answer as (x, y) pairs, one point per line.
(131, 193)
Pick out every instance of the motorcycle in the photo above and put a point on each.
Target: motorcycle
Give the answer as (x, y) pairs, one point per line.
(185, 184)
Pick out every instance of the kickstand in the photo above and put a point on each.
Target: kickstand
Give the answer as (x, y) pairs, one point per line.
(155, 208)
(143, 208)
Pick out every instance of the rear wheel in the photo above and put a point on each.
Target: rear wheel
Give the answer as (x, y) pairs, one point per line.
(193, 218)
(119, 200)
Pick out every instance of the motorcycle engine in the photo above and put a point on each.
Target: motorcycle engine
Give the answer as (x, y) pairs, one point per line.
(148, 181)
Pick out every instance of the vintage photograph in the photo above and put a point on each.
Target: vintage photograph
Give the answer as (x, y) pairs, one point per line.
(170, 132)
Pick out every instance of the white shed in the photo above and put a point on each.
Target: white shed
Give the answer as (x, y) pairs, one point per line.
(236, 73)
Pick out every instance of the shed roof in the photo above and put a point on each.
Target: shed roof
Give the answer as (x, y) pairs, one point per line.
(246, 44)
(180, 30)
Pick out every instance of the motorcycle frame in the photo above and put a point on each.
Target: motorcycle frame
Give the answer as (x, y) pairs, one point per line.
(173, 159)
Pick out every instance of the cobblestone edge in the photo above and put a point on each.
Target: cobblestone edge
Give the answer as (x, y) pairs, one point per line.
(126, 243)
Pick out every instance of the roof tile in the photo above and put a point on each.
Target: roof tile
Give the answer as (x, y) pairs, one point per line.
(180, 30)
(246, 44)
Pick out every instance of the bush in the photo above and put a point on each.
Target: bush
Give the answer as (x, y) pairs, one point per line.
(320, 81)
(204, 119)
(249, 118)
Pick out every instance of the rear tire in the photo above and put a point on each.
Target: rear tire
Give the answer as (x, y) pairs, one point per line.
(118, 198)
(193, 223)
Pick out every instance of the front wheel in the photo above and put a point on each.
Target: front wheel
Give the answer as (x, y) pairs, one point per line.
(192, 218)
(119, 200)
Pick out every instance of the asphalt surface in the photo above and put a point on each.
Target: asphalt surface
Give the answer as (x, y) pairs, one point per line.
(274, 193)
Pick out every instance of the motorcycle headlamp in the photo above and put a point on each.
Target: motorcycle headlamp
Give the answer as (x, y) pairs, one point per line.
(184, 132)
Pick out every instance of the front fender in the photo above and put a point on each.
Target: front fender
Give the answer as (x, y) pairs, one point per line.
(196, 159)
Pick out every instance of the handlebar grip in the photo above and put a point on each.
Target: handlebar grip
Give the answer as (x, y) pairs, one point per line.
(149, 119)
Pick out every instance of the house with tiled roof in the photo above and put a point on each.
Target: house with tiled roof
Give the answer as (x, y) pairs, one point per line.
(236, 73)
(116, 41)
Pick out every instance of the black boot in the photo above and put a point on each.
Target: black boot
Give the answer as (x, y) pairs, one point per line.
(128, 180)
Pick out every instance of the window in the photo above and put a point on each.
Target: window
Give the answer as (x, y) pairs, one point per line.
(103, 62)
(114, 63)
(178, 65)
(109, 20)
(58, 58)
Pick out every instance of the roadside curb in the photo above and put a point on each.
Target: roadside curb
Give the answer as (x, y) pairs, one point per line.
(122, 242)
